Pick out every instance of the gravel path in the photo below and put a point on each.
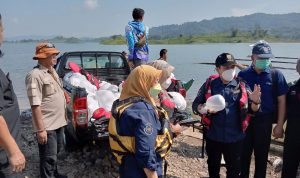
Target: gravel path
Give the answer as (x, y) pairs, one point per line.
(96, 160)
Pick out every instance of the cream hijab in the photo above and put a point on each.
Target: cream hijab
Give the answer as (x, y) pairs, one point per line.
(139, 82)
(166, 68)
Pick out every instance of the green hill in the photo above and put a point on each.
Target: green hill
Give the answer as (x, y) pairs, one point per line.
(278, 25)
(240, 37)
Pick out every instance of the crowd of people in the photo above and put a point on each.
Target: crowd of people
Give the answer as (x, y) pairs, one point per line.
(141, 130)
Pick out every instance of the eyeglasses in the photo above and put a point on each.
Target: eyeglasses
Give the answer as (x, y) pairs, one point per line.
(46, 45)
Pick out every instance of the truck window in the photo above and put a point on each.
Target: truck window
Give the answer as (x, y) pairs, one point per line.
(103, 61)
(89, 62)
(73, 59)
(117, 62)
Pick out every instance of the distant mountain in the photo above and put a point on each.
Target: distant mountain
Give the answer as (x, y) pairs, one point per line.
(31, 37)
(280, 25)
(52, 39)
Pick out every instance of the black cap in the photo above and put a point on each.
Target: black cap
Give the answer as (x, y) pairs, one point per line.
(225, 59)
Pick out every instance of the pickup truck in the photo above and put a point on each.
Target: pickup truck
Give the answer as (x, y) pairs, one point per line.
(106, 66)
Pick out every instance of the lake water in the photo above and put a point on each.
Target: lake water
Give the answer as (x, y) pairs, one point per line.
(18, 60)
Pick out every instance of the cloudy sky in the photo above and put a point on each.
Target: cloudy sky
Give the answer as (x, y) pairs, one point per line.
(97, 18)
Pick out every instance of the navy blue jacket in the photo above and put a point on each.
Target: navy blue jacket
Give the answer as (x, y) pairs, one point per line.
(226, 124)
(140, 121)
(264, 79)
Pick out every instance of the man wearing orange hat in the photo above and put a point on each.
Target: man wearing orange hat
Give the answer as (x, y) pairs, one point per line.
(46, 97)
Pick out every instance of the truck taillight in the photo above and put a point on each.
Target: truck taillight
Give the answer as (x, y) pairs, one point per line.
(80, 112)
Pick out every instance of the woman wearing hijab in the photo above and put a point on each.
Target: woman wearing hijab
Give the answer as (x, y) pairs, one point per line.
(140, 123)
(163, 99)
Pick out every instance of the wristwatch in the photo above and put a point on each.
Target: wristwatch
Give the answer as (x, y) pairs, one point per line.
(256, 103)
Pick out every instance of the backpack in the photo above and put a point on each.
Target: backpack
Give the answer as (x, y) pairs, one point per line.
(274, 76)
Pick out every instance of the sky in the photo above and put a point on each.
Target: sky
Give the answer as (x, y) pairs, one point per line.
(102, 18)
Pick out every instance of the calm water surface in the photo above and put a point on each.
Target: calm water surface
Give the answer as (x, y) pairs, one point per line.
(18, 60)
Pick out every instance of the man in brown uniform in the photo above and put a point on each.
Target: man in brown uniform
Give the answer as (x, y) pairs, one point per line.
(46, 97)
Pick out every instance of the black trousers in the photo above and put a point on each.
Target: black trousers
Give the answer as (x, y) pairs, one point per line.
(138, 62)
(232, 157)
(48, 153)
(258, 138)
(291, 153)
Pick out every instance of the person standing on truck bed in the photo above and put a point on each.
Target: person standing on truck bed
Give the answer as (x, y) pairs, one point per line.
(46, 97)
(137, 39)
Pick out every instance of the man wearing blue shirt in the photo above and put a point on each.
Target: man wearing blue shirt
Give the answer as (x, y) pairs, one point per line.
(258, 135)
(137, 39)
(225, 134)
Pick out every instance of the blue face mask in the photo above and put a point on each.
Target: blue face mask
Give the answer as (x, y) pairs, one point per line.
(262, 63)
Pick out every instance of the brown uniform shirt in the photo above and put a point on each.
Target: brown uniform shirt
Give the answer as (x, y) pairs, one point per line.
(44, 91)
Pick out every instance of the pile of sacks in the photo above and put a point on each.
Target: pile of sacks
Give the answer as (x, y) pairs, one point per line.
(102, 99)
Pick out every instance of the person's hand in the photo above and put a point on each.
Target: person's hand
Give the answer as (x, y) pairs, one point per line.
(67, 97)
(177, 129)
(211, 111)
(142, 41)
(17, 161)
(131, 65)
(202, 109)
(241, 66)
(278, 131)
(255, 95)
(42, 137)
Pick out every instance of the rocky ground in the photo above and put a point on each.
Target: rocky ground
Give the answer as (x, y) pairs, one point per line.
(96, 160)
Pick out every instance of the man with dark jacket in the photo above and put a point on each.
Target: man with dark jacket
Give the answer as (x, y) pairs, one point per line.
(10, 153)
(225, 128)
(291, 154)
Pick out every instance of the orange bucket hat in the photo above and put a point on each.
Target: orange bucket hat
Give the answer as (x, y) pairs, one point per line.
(43, 50)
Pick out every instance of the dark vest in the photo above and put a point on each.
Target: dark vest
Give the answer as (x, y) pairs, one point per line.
(9, 109)
(293, 102)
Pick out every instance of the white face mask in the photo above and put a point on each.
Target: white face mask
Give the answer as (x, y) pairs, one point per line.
(165, 85)
(228, 75)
